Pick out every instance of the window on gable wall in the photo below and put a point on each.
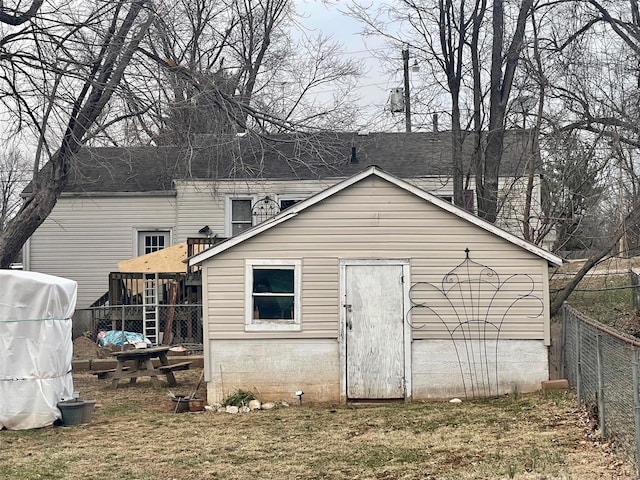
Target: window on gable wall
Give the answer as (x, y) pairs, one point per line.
(286, 202)
(273, 294)
(469, 200)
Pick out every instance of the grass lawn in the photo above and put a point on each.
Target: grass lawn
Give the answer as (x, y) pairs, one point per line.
(134, 434)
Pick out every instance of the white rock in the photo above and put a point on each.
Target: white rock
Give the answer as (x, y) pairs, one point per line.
(285, 404)
(232, 409)
(255, 404)
(455, 400)
(221, 409)
(268, 406)
(244, 409)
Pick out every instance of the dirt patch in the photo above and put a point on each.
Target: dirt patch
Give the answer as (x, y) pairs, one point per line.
(86, 349)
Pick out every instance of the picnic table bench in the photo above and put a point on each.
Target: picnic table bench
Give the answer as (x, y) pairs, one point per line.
(102, 374)
(175, 366)
(142, 359)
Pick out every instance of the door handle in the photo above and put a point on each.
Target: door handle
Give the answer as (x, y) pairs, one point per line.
(349, 312)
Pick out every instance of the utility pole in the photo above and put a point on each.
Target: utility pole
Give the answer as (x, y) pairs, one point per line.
(407, 103)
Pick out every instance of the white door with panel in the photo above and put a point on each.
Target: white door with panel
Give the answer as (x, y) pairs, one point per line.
(374, 331)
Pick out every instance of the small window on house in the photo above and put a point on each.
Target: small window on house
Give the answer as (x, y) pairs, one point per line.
(469, 203)
(288, 202)
(273, 295)
(241, 218)
(152, 241)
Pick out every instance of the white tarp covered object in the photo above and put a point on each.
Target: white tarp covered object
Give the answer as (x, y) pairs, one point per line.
(35, 347)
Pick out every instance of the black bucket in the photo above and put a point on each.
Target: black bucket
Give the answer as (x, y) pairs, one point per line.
(181, 403)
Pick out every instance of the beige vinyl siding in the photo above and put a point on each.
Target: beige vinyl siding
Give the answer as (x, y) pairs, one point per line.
(198, 204)
(513, 195)
(84, 238)
(201, 203)
(371, 219)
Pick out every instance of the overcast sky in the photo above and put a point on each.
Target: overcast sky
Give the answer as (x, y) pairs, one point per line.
(375, 86)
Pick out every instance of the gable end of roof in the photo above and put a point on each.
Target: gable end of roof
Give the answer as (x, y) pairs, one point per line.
(372, 171)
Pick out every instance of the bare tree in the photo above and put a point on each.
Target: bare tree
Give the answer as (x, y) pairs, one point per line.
(232, 59)
(502, 75)
(452, 36)
(97, 67)
(573, 191)
(600, 102)
(52, 59)
(439, 33)
(14, 176)
(10, 16)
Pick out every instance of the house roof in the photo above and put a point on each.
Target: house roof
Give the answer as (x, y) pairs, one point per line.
(299, 207)
(285, 156)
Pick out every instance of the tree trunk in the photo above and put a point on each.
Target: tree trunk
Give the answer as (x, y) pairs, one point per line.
(115, 55)
(500, 90)
(478, 158)
(456, 154)
(30, 216)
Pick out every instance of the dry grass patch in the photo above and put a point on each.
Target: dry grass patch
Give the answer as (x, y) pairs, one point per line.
(604, 294)
(135, 435)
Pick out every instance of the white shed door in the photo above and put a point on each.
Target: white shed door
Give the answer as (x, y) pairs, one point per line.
(374, 331)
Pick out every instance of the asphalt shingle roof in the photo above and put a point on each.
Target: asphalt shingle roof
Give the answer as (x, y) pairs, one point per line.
(299, 156)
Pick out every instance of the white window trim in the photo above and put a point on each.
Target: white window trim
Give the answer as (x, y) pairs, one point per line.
(255, 325)
(297, 198)
(444, 195)
(228, 230)
(136, 237)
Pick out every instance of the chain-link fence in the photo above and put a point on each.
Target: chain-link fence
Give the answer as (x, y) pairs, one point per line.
(601, 364)
(181, 323)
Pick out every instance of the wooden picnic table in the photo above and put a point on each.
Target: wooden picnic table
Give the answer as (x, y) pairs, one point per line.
(142, 359)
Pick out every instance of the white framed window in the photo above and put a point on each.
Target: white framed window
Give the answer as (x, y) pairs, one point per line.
(273, 294)
(469, 203)
(150, 241)
(238, 215)
(285, 201)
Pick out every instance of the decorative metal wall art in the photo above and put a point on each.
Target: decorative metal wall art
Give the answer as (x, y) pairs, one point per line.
(264, 209)
(473, 303)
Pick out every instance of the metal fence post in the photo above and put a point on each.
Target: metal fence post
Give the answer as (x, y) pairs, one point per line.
(636, 406)
(578, 342)
(601, 411)
(564, 339)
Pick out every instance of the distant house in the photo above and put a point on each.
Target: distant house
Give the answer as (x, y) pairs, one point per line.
(125, 202)
(374, 289)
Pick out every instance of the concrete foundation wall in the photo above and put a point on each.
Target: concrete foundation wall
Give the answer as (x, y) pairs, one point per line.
(274, 369)
(442, 369)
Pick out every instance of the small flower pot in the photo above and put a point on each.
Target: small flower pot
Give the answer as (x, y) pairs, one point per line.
(196, 405)
(72, 411)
